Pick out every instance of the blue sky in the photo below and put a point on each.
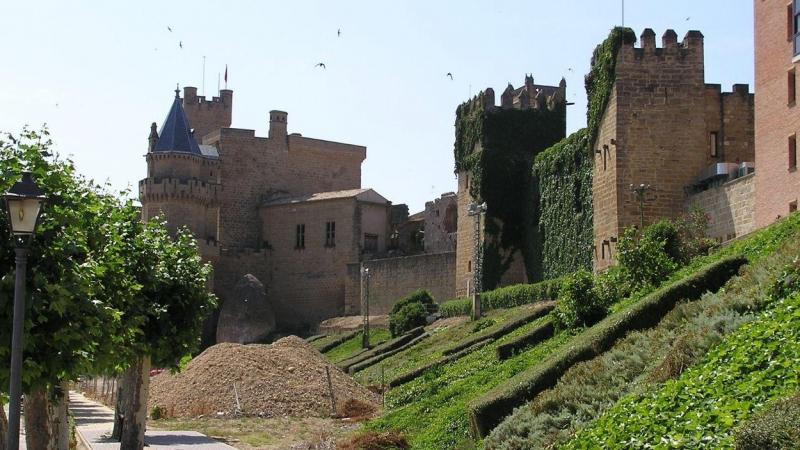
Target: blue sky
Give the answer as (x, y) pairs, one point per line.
(98, 73)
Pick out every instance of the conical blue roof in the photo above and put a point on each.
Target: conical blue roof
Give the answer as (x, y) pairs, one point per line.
(176, 133)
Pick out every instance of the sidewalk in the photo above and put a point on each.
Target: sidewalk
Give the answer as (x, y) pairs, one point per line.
(95, 422)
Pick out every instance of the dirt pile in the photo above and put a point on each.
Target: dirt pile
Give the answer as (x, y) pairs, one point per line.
(286, 378)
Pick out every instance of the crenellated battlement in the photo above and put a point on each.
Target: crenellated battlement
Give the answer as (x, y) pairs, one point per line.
(163, 189)
(207, 115)
(528, 96)
(690, 46)
(190, 98)
(739, 89)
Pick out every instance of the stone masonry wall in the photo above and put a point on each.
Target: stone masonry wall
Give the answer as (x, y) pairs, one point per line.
(441, 220)
(204, 115)
(465, 238)
(393, 278)
(777, 116)
(730, 208)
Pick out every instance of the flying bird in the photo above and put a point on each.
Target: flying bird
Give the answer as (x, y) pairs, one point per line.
(170, 29)
(180, 44)
(450, 75)
(570, 69)
(321, 65)
(339, 32)
(687, 19)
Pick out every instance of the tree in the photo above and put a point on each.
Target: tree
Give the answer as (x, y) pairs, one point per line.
(169, 308)
(71, 325)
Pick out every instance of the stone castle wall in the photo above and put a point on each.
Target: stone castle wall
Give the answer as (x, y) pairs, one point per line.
(730, 208)
(656, 131)
(393, 278)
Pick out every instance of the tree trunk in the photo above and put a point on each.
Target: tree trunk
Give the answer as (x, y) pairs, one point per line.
(119, 409)
(137, 383)
(3, 427)
(59, 422)
(38, 412)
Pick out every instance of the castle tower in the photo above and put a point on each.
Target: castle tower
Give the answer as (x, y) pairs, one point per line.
(181, 178)
(657, 130)
(207, 115)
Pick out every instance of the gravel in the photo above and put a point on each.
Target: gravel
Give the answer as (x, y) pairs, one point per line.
(286, 378)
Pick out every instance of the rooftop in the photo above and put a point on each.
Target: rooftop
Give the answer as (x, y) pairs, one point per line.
(365, 195)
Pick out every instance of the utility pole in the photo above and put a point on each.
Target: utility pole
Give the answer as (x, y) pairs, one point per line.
(477, 211)
(365, 306)
(640, 192)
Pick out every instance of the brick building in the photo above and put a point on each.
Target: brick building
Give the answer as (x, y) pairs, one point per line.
(666, 128)
(285, 208)
(777, 118)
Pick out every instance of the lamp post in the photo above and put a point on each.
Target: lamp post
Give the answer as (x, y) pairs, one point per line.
(477, 211)
(365, 308)
(23, 202)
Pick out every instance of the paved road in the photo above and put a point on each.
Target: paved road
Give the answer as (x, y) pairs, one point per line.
(95, 422)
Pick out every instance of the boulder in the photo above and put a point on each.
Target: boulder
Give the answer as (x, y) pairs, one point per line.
(246, 316)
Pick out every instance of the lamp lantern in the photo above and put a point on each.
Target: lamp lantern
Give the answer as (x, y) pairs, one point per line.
(24, 203)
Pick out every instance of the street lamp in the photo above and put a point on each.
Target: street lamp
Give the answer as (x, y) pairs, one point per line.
(477, 211)
(23, 203)
(640, 192)
(365, 306)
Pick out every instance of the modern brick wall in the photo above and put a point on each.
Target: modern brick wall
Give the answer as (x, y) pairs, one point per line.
(776, 117)
(730, 208)
(393, 278)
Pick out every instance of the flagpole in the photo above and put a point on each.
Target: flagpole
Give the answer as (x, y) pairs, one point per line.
(226, 76)
(217, 84)
(204, 76)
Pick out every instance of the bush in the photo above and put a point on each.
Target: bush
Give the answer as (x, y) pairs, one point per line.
(644, 261)
(578, 305)
(778, 427)
(455, 308)
(482, 325)
(520, 294)
(667, 232)
(158, 413)
(488, 411)
(787, 283)
(612, 286)
(411, 312)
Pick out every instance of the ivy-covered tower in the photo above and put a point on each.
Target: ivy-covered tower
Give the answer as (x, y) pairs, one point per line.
(494, 150)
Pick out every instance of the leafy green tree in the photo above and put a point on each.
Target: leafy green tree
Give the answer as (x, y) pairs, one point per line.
(169, 308)
(71, 325)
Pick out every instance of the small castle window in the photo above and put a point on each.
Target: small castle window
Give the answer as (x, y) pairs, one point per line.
(469, 266)
(300, 237)
(793, 152)
(330, 234)
(713, 142)
(370, 243)
(791, 83)
(795, 25)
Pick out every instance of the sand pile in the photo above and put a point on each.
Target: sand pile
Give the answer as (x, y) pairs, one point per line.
(286, 378)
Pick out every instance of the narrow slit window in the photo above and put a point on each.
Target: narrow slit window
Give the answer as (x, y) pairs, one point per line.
(713, 143)
(793, 152)
(791, 87)
(300, 236)
(330, 234)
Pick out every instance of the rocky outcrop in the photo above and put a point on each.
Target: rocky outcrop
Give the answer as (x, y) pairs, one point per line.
(246, 316)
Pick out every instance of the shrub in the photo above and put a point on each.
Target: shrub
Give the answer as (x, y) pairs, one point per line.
(411, 312)
(482, 325)
(520, 294)
(158, 412)
(667, 232)
(371, 440)
(457, 307)
(612, 286)
(778, 427)
(644, 261)
(488, 411)
(578, 305)
(787, 283)
(692, 229)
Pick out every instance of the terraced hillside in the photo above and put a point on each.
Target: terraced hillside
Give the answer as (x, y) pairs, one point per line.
(562, 384)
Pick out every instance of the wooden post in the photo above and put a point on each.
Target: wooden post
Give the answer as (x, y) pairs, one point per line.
(330, 389)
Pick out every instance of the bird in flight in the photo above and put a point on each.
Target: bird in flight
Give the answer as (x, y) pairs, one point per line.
(339, 32)
(570, 69)
(687, 19)
(450, 75)
(180, 44)
(170, 29)
(321, 65)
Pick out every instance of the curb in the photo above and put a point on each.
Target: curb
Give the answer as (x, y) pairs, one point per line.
(83, 444)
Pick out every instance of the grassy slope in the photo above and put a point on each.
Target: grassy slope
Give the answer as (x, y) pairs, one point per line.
(753, 366)
(430, 350)
(431, 410)
(352, 346)
(638, 360)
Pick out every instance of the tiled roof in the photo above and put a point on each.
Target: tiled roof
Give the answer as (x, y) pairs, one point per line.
(368, 195)
(176, 133)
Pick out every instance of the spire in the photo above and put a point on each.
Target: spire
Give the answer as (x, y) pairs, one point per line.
(176, 133)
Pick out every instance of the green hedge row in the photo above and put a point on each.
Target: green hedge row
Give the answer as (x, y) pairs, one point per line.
(529, 339)
(456, 307)
(383, 348)
(539, 311)
(520, 294)
(336, 342)
(409, 376)
(488, 411)
(380, 357)
(315, 337)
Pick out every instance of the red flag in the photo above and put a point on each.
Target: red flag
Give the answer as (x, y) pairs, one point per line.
(226, 74)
